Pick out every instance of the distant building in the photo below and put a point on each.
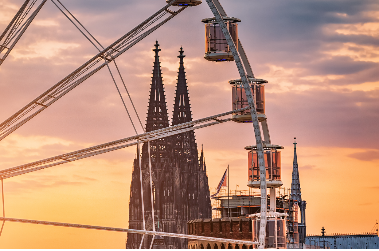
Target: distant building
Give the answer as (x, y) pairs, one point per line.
(239, 228)
(296, 230)
(180, 184)
(233, 222)
(344, 241)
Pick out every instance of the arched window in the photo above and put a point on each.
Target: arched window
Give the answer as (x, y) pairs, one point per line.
(154, 193)
(209, 246)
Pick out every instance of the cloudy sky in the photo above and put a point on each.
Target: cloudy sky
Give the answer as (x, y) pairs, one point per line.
(320, 57)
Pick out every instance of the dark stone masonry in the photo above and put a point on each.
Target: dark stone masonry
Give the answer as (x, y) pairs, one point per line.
(179, 180)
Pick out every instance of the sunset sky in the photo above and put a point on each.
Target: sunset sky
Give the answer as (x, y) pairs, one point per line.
(320, 58)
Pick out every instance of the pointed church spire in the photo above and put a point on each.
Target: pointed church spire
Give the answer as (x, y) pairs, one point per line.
(184, 143)
(157, 117)
(205, 166)
(202, 159)
(295, 184)
(179, 186)
(182, 109)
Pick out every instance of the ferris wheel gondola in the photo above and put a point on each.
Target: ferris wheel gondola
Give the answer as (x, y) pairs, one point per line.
(222, 44)
(239, 99)
(185, 2)
(216, 46)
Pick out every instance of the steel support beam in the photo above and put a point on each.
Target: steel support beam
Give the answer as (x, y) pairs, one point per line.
(87, 70)
(126, 230)
(17, 27)
(115, 145)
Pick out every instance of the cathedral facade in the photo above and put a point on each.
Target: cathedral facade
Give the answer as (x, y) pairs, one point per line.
(179, 182)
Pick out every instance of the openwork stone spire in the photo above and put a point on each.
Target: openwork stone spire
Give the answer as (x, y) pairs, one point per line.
(157, 117)
(295, 184)
(184, 144)
(160, 153)
(180, 190)
(182, 108)
(203, 167)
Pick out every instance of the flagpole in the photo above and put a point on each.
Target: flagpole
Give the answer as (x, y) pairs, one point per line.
(228, 194)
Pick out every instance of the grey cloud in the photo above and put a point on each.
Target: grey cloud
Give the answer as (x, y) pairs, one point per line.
(82, 178)
(326, 117)
(288, 34)
(339, 65)
(370, 74)
(307, 167)
(27, 186)
(291, 33)
(365, 156)
(351, 38)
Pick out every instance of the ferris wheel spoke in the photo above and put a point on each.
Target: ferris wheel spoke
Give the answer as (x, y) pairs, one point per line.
(17, 27)
(116, 145)
(219, 12)
(126, 230)
(80, 27)
(87, 70)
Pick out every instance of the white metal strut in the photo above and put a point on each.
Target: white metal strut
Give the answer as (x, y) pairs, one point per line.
(17, 27)
(134, 231)
(94, 65)
(116, 145)
(87, 70)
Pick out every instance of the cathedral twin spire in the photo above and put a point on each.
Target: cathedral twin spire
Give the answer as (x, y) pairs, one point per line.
(182, 109)
(183, 145)
(180, 185)
(157, 112)
(157, 104)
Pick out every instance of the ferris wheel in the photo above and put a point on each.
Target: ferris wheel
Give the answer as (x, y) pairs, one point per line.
(222, 44)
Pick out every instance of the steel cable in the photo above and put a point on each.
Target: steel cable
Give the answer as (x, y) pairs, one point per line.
(122, 80)
(68, 83)
(17, 23)
(118, 144)
(2, 193)
(109, 69)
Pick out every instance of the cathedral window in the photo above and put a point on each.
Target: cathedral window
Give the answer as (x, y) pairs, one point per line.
(154, 193)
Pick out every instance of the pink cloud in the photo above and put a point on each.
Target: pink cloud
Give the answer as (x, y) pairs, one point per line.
(366, 156)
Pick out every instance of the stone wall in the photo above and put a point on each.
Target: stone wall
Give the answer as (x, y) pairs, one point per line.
(238, 228)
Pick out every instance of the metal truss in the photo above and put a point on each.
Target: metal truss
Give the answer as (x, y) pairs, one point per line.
(87, 70)
(116, 145)
(94, 65)
(134, 231)
(99, 47)
(17, 27)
